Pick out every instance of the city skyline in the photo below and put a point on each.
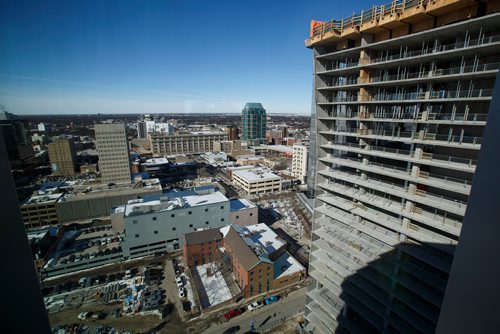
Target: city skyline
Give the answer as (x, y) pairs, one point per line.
(91, 57)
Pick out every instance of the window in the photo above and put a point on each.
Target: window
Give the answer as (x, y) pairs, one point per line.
(206, 223)
(190, 225)
(172, 215)
(156, 232)
(173, 228)
(137, 235)
(206, 210)
(222, 219)
(154, 218)
(237, 217)
(190, 212)
(134, 222)
(222, 207)
(251, 214)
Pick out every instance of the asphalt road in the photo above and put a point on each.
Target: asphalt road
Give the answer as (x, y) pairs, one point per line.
(266, 317)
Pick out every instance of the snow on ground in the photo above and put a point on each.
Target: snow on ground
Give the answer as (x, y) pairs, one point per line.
(216, 290)
(189, 289)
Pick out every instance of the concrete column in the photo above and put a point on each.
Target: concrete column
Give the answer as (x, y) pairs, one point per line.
(412, 189)
(415, 171)
(408, 207)
(418, 153)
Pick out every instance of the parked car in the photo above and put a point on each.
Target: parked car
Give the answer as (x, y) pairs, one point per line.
(179, 282)
(255, 305)
(186, 306)
(271, 299)
(232, 330)
(232, 314)
(90, 244)
(182, 292)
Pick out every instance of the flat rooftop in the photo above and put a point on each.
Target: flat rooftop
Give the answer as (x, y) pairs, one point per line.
(140, 206)
(96, 190)
(156, 161)
(256, 175)
(42, 199)
(240, 204)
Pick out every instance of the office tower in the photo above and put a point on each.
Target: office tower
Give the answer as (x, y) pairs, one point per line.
(232, 132)
(142, 131)
(254, 123)
(112, 146)
(17, 141)
(402, 94)
(17, 261)
(62, 157)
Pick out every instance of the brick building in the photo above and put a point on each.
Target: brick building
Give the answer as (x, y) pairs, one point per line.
(202, 247)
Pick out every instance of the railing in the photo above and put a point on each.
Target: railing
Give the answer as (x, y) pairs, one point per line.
(425, 156)
(437, 72)
(441, 48)
(375, 13)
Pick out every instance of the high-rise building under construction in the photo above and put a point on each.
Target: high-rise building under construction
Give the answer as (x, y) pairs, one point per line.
(401, 97)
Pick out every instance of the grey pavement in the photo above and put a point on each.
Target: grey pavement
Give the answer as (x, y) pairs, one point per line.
(266, 317)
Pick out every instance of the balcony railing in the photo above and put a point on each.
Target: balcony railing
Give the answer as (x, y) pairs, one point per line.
(394, 135)
(437, 72)
(408, 155)
(440, 48)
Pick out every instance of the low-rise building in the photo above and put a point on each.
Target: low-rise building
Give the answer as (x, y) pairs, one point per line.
(157, 224)
(259, 260)
(190, 143)
(92, 200)
(40, 210)
(202, 247)
(256, 181)
(243, 212)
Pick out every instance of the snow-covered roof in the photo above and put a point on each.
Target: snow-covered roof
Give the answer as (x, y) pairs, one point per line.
(267, 238)
(257, 174)
(139, 206)
(286, 265)
(238, 204)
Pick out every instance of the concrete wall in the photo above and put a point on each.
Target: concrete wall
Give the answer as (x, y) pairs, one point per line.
(160, 231)
(84, 208)
(248, 216)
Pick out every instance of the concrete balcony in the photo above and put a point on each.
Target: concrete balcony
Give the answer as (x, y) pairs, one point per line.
(442, 182)
(407, 137)
(314, 319)
(381, 233)
(328, 301)
(448, 205)
(460, 164)
(468, 119)
(326, 276)
(417, 232)
(489, 70)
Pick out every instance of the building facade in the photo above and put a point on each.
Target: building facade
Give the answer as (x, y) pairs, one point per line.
(40, 210)
(62, 157)
(243, 212)
(113, 148)
(299, 162)
(259, 260)
(190, 143)
(254, 123)
(202, 247)
(158, 224)
(142, 130)
(402, 94)
(232, 132)
(256, 181)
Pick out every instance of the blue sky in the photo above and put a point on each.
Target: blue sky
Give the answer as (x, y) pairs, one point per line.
(159, 56)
